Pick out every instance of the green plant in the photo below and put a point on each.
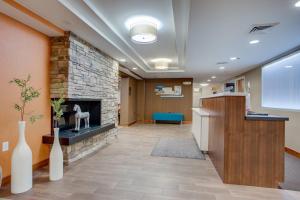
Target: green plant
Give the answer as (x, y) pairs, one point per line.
(56, 106)
(28, 93)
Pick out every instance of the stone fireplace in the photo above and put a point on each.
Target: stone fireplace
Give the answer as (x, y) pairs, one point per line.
(90, 79)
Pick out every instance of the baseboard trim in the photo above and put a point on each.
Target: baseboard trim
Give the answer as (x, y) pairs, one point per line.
(292, 152)
(132, 123)
(147, 121)
(6, 180)
(129, 124)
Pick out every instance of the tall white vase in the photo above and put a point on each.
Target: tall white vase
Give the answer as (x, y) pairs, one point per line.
(0, 176)
(56, 167)
(21, 164)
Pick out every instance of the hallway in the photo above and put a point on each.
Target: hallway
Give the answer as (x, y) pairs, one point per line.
(125, 170)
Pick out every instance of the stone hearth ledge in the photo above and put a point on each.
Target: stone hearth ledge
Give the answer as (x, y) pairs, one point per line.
(87, 145)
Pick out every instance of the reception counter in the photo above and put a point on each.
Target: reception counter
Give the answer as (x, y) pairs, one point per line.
(245, 149)
(200, 128)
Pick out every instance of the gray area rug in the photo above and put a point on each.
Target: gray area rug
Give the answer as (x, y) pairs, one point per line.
(178, 148)
(292, 174)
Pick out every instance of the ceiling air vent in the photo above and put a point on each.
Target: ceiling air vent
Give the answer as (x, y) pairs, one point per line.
(222, 63)
(262, 28)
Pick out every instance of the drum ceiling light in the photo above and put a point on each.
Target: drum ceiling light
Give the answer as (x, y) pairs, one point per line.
(143, 29)
(161, 66)
(161, 63)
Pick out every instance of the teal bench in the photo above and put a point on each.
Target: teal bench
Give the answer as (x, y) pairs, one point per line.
(167, 117)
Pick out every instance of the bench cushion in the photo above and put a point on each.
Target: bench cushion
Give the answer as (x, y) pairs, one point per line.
(167, 116)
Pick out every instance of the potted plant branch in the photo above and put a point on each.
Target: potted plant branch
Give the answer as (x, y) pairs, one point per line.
(21, 166)
(56, 154)
(0, 176)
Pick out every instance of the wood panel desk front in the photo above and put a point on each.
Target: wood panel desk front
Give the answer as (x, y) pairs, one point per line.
(245, 150)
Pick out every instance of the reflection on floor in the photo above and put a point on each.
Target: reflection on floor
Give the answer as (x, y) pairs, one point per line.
(292, 173)
(125, 170)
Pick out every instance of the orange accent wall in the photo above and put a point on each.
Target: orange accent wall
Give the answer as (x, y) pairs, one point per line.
(23, 51)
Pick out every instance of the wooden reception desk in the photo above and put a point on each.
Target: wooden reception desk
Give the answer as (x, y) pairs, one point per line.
(245, 150)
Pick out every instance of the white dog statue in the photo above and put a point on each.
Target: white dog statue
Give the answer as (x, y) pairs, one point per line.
(81, 115)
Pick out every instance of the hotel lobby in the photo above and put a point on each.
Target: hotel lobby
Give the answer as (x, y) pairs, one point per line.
(150, 100)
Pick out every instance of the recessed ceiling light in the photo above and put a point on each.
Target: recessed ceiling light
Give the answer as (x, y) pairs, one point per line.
(134, 68)
(122, 60)
(234, 58)
(208, 80)
(297, 4)
(288, 66)
(213, 77)
(222, 68)
(254, 42)
(204, 84)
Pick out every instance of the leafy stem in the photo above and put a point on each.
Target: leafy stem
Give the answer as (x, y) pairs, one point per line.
(56, 106)
(28, 93)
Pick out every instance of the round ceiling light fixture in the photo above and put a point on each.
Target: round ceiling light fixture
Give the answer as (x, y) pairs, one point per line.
(161, 66)
(143, 29)
(297, 4)
(161, 63)
(143, 34)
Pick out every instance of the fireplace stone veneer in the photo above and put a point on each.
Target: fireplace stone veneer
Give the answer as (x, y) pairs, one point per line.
(86, 73)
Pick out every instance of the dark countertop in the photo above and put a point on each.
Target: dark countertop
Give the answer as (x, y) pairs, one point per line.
(266, 117)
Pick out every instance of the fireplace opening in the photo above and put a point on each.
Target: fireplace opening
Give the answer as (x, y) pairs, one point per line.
(88, 111)
(68, 135)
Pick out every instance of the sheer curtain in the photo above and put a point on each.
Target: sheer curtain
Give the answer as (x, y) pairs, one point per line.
(281, 83)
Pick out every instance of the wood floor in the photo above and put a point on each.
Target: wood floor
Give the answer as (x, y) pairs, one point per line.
(125, 170)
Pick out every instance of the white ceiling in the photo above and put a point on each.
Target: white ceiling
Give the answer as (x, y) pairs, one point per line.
(219, 29)
(196, 34)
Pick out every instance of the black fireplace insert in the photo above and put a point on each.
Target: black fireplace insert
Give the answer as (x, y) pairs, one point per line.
(67, 122)
(67, 134)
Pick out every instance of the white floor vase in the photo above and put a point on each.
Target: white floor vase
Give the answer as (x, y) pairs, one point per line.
(0, 176)
(56, 166)
(21, 165)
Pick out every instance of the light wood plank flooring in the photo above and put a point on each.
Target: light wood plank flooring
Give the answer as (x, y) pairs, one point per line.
(125, 170)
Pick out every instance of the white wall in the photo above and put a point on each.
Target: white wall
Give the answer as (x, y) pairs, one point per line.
(292, 126)
(196, 95)
(208, 90)
(200, 91)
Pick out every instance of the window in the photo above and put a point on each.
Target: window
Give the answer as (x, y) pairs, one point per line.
(281, 83)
